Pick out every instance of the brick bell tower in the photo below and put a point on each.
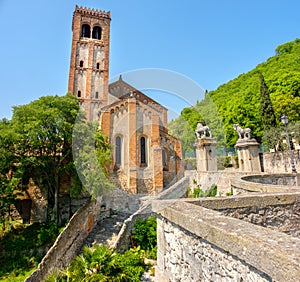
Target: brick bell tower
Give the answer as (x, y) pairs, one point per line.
(89, 64)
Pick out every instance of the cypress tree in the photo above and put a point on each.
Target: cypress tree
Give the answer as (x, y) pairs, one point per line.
(266, 108)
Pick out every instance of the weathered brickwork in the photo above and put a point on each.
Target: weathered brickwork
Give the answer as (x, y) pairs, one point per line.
(125, 113)
(89, 64)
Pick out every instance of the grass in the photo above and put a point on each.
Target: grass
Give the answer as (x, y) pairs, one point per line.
(22, 247)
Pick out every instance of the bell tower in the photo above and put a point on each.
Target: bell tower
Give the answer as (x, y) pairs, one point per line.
(89, 64)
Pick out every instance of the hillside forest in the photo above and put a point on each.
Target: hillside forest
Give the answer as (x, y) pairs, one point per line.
(240, 101)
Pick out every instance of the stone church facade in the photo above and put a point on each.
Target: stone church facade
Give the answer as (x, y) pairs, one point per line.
(145, 158)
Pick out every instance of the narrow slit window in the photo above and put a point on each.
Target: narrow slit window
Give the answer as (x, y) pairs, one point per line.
(118, 150)
(78, 93)
(143, 151)
(81, 64)
(164, 158)
(97, 95)
(98, 66)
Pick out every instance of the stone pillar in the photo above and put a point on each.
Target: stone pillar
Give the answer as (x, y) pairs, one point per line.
(133, 146)
(158, 176)
(248, 155)
(206, 154)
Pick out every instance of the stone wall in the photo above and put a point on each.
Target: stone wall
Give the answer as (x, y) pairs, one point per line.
(197, 242)
(284, 218)
(188, 258)
(206, 179)
(280, 162)
(69, 242)
(267, 183)
(273, 179)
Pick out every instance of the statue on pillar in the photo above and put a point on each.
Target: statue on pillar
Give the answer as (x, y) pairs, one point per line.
(244, 133)
(202, 130)
(206, 157)
(248, 150)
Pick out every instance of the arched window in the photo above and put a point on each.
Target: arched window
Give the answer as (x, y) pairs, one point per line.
(79, 94)
(81, 64)
(98, 66)
(85, 31)
(143, 145)
(97, 95)
(118, 150)
(96, 34)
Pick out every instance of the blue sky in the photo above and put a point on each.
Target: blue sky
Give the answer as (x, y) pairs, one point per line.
(208, 42)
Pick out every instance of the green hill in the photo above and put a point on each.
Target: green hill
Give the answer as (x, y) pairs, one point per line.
(238, 101)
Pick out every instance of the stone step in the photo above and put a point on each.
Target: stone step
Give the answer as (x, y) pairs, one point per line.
(106, 230)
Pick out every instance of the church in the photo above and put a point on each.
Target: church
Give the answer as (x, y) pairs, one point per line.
(145, 157)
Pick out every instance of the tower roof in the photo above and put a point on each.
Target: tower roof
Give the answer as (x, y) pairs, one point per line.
(92, 12)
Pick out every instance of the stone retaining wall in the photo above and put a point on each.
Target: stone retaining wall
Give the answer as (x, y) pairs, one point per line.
(69, 242)
(280, 162)
(197, 242)
(221, 178)
(284, 218)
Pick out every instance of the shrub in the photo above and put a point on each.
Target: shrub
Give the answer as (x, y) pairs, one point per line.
(144, 236)
(211, 192)
(99, 263)
(224, 162)
(230, 193)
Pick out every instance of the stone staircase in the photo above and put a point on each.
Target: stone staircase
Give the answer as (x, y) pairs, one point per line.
(107, 229)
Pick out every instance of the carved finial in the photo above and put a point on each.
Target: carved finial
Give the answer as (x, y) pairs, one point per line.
(120, 77)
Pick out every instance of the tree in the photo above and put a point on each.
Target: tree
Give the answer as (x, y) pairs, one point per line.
(266, 107)
(91, 152)
(9, 178)
(37, 143)
(181, 129)
(238, 100)
(43, 143)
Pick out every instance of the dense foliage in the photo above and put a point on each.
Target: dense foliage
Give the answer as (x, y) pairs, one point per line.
(37, 143)
(144, 236)
(101, 264)
(22, 248)
(91, 153)
(266, 108)
(238, 101)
